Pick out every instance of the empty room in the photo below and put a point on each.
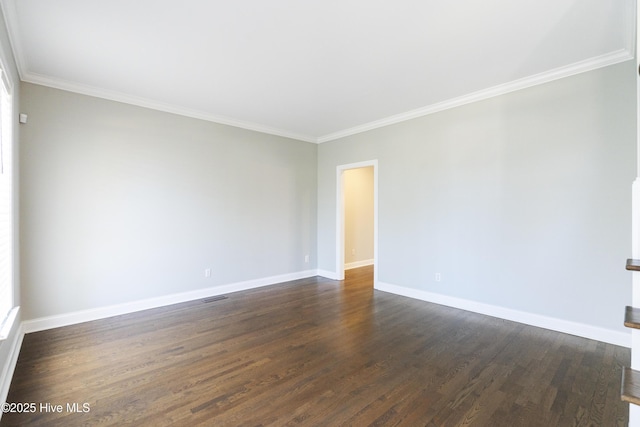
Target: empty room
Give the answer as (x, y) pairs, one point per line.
(270, 213)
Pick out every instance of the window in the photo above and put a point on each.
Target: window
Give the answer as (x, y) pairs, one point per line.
(7, 312)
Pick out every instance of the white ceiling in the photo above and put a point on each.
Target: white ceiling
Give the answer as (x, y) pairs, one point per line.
(311, 70)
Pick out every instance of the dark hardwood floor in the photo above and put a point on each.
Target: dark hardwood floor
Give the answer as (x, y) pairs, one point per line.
(315, 352)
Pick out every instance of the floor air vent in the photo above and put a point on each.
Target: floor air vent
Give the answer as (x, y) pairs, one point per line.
(212, 299)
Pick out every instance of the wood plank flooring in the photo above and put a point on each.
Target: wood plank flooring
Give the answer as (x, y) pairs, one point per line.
(315, 352)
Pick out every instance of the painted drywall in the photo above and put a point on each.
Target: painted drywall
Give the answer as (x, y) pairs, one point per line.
(122, 203)
(10, 346)
(358, 216)
(521, 201)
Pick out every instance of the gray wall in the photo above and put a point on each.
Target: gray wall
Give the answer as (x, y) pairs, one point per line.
(521, 201)
(122, 203)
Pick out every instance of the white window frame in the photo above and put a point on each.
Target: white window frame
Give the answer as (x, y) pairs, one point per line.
(8, 306)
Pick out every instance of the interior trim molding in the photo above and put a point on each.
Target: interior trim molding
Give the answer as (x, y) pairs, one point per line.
(10, 366)
(340, 213)
(559, 325)
(612, 58)
(66, 319)
(358, 264)
(157, 105)
(332, 275)
(10, 15)
(7, 326)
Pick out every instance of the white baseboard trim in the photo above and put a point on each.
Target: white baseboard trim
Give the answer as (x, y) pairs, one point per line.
(56, 321)
(10, 365)
(551, 323)
(358, 264)
(328, 274)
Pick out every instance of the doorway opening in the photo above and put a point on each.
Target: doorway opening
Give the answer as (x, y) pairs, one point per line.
(357, 217)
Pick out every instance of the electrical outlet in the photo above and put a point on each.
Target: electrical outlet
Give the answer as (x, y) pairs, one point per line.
(353, 251)
(306, 258)
(438, 277)
(207, 272)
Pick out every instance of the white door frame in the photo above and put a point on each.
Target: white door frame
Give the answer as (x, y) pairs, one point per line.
(340, 216)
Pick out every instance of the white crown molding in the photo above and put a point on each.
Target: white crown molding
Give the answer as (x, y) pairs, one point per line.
(631, 37)
(10, 15)
(554, 324)
(156, 105)
(541, 78)
(548, 76)
(628, 52)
